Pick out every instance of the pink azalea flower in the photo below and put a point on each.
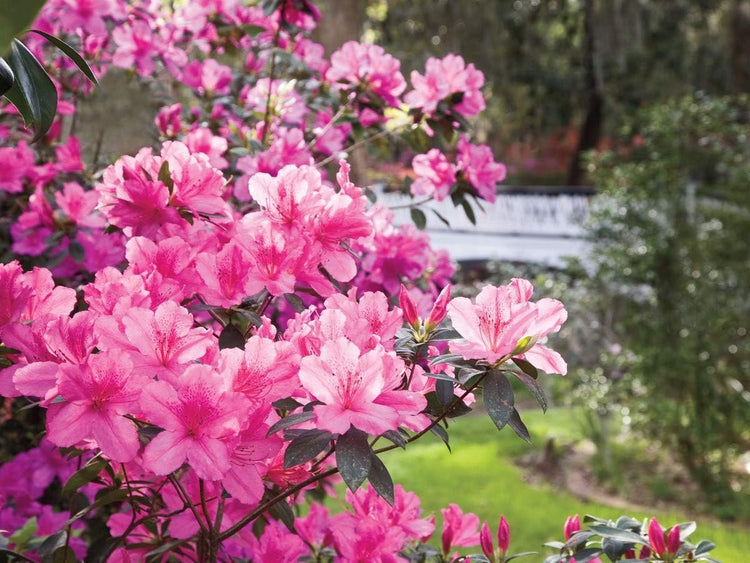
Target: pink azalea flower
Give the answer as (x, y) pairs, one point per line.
(370, 67)
(16, 164)
(209, 77)
(478, 165)
(136, 46)
(443, 78)
(435, 175)
(97, 395)
(202, 140)
(79, 205)
(161, 342)
(348, 385)
(459, 529)
(199, 419)
(501, 318)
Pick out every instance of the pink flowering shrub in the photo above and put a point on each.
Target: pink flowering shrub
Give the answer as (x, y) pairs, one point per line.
(222, 322)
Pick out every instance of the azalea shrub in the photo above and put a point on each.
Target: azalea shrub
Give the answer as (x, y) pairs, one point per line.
(223, 324)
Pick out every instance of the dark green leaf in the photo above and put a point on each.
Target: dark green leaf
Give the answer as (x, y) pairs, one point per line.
(441, 433)
(380, 479)
(418, 217)
(444, 390)
(617, 534)
(33, 92)
(283, 512)
(109, 496)
(52, 543)
(306, 446)
(686, 529)
(354, 457)
(165, 176)
(76, 251)
(295, 301)
(442, 219)
(498, 398)
(71, 52)
(533, 386)
(231, 337)
(17, 16)
(83, 476)
(287, 404)
(442, 376)
(164, 548)
(586, 555)
(704, 546)
(270, 6)
(518, 426)
(526, 367)
(64, 554)
(395, 437)
(291, 420)
(6, 77)
(469, 211)
(623, 522)
(614, 549)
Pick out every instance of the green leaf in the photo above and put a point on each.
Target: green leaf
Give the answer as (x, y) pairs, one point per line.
(21, 536)
(306, 446)
(76, 251)
(469, 211)
(354, 457)
(52, 543)
(586, 555)
(71, 52)
(287, 404)
(395, 437)
(282, 511)
(617, 534)
(83, 476)
(704, 546)
(295, 301)
(165, 177)
(498, 398)
(6, 77)
(418, 216)
(522, 554)
(380, 479)
(33, 92)
(441, 433)
(686, 529)
(444, 390)
(518, 426)
(441, 218)
(64, 554)
(526, 367)
(231, 337)
(533, 386)
(15, 17)
(291, 420)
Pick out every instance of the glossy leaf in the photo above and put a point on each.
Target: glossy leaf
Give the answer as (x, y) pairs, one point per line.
(519, 427)
(231, 337)
(380, 479)
(6, 77)
(533, 386)
(33, 92)
(498, 398)
(83, 476)
(307, 445)
(418, 217)
(291, 420)
(80, 62)
(354, 457)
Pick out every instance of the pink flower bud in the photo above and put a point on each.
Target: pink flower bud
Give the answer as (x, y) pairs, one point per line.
(629, 554)
(645, 552)
(439, 309)
(572, 525)
(485, 540)
(409, 308)
(673, 540)
(503, 535)
(656, 537)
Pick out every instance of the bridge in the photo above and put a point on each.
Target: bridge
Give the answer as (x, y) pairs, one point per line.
(526, 224)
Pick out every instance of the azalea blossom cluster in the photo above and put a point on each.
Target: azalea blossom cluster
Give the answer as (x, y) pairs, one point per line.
(213, 326)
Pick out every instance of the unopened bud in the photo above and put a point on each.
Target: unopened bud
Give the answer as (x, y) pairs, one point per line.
(673, 540)
(572, 525)
(503, 535)
(485, 540)
(656, 537)
(439, 309)
(409, 308)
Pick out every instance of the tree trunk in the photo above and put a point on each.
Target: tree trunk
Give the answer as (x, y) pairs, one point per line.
(591, 129)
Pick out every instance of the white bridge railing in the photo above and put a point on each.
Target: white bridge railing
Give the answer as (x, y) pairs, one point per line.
(522, 226)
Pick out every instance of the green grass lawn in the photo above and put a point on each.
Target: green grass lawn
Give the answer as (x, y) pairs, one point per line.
(480, 476)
